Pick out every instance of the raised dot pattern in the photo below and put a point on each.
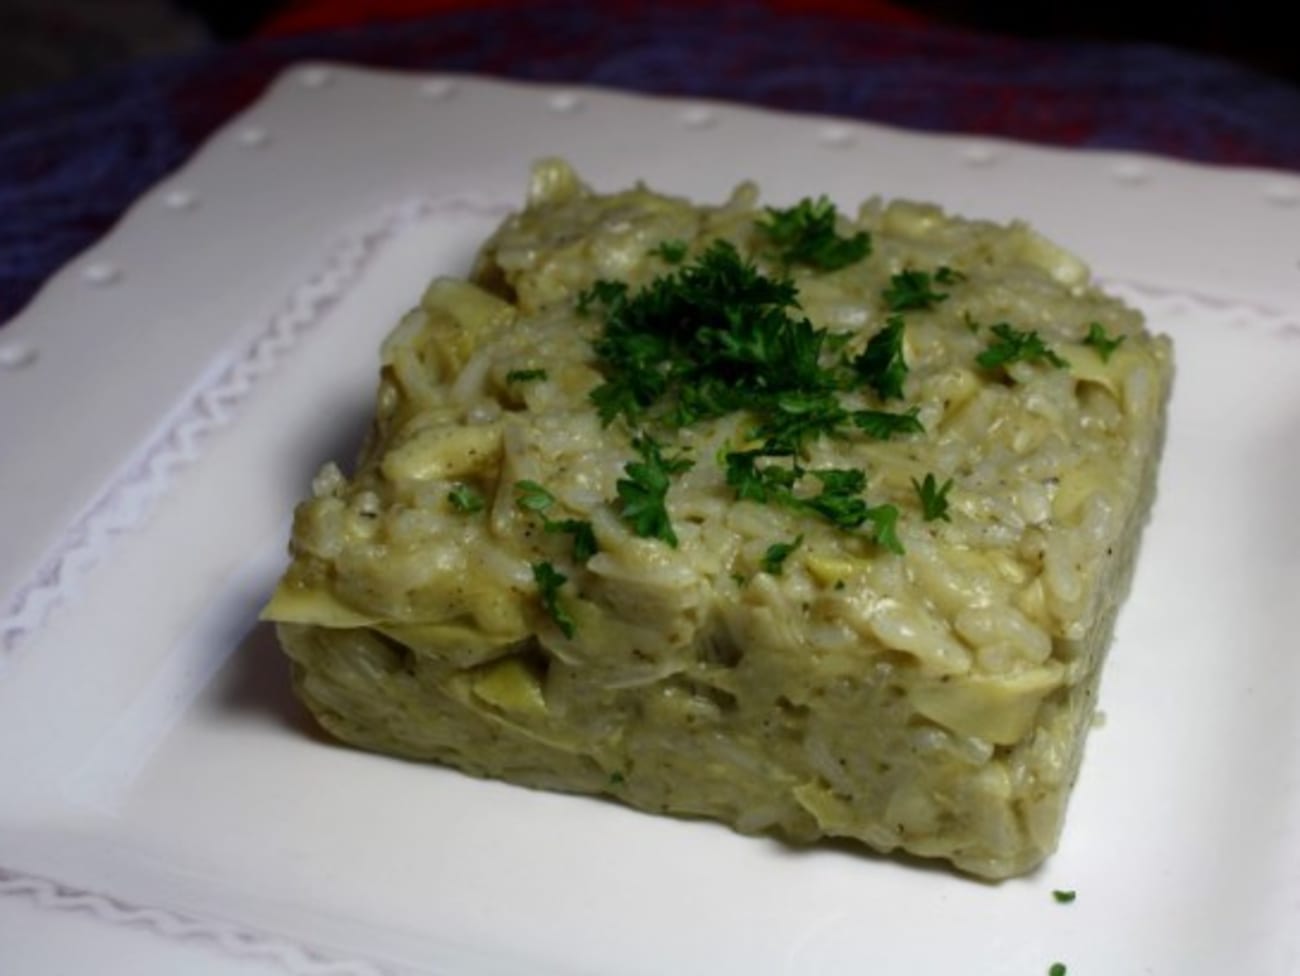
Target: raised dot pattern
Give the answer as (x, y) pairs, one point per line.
(16, 355)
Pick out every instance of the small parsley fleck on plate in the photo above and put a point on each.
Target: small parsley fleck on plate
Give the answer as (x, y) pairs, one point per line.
(1064, 897)
(1057, 969)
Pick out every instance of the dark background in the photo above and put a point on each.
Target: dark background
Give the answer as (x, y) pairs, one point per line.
(47, 41)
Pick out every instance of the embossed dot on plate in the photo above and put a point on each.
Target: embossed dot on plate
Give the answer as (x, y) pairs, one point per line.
(1283, 193)
(437, 89)
(180, 199)
(979, 154)
(16, 355)
(101, 273)
(1130, 172)
(835, 136)
(564, 103)
(699, 117)
(253, 137)
(315, 77)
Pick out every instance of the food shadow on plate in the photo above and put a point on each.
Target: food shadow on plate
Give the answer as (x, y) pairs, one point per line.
(256, 684)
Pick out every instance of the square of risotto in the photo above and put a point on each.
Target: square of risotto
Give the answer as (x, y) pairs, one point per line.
(812, 523)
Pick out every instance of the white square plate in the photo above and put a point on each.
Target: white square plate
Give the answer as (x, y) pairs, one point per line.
(165, 401)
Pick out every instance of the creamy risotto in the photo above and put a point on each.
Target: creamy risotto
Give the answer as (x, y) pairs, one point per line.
(813, 523)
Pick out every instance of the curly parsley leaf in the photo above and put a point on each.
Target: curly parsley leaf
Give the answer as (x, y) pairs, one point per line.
(934, 497)
(805, 234)
(549, 580)
(465, 499)
(1100, 341)
(716, 321)
(882, 364)
(777, 553)
(644, 491)
(911, 290)
(882, 425)
(1015, 346)
(670, 251)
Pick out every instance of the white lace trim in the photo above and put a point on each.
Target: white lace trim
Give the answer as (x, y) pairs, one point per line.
(232, 940)
(133, 493)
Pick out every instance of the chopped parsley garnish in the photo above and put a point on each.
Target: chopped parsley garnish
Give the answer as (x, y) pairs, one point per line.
(645, 490)
(1064, 897)
(839, 502)
(777, 553)
(671, 252)
(1099, 340)
(910, 290)
(616, 778)
(465, 499)
(882, 425)
(532, 497)
(1057, 969)
(717, 336)
(882, 364)
(549, 580)
(805, 234)
(1014, 346)
(716, 327)
(934, 497)
(948, 276)
(525, 375)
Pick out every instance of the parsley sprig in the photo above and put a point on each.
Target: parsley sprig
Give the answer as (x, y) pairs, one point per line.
(913, 290)
(777, 553)
(465, 499)
(644, 491)
(882, 365)
(549, 580)
(839, 500)
(532, 497)
(1014, 346)
(1100, 341)
(805, 234)
(934, 497)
